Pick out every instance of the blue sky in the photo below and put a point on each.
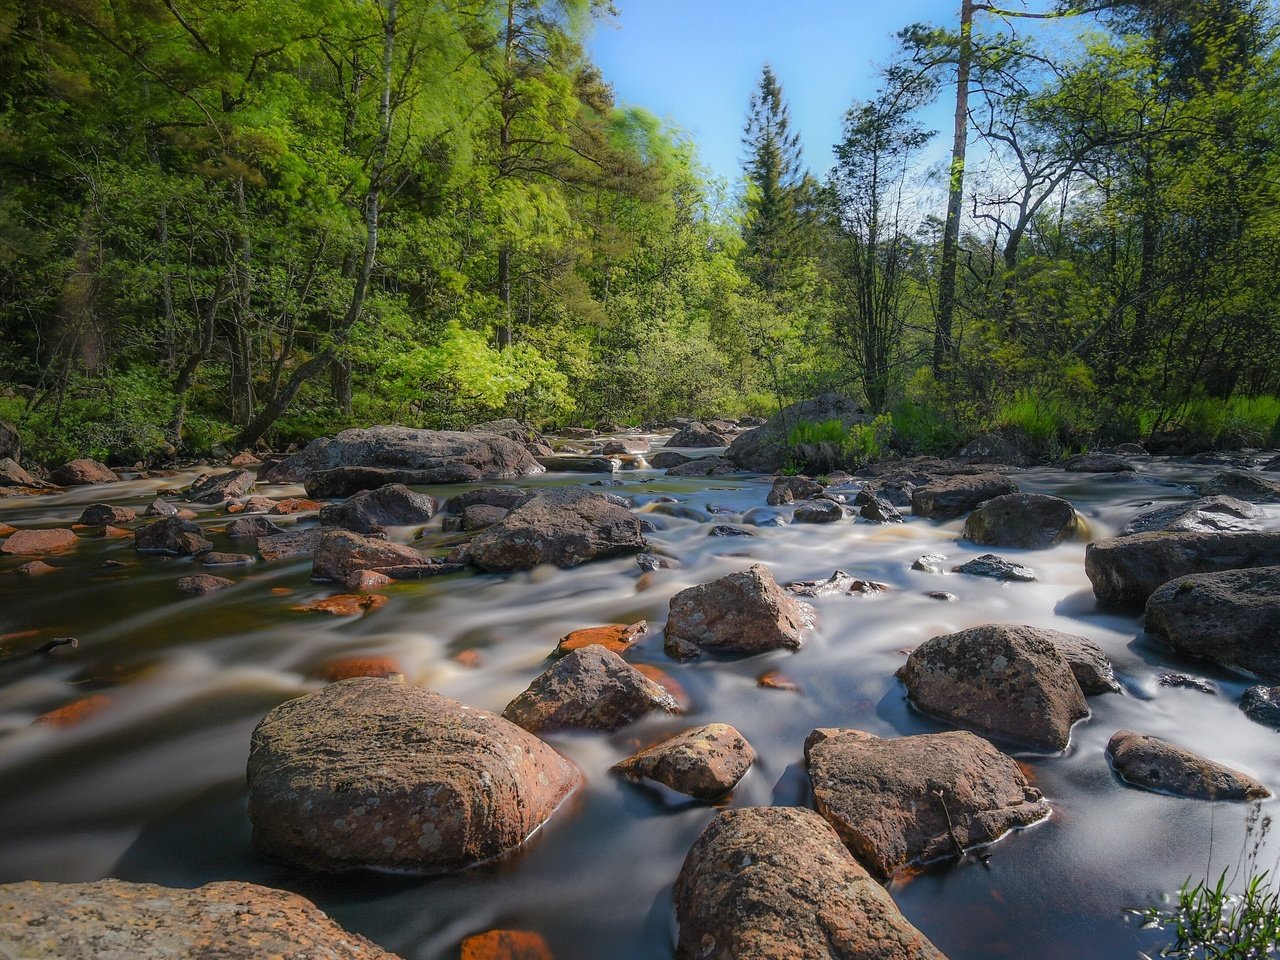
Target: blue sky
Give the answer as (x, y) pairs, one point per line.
(695, 63)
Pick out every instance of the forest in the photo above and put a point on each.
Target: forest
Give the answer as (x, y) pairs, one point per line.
(231, 223)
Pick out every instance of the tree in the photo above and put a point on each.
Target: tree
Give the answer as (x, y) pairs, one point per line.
(774, 181)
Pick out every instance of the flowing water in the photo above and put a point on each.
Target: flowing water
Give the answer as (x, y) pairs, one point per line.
(151, 788)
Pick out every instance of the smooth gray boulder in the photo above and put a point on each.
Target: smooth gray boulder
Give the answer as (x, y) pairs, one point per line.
(956, 495)
(1242, 485)
(1032, 521)
(766, 449)
(1205, 515)
(389, 506)
(564, 527)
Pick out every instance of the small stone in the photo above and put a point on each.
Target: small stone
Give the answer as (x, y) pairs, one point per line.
(340, 553)
(649, 562)
(791, 489)
(879, 510)
(997, 568)
(161, 508)
(252, 505)
(344, 668)
(942, 595)
(5, 530)
(34, 568)
(104, 514)
(364, 581)
(616, 637)
(344, 604)
(292, 505)
(704, 763)
(219, 559)
(171, 535)
(250, 528)
(1262, 705)
(202, 583)
(1185, 682)
(36, 543)
(1154, 764)
(245, 459)
(929, 563)
(818, 511)
(777, 680)
(726, 530)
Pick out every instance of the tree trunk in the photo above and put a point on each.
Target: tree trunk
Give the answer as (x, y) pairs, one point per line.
(943, 341)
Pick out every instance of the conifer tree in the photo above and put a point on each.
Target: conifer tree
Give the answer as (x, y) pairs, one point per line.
(774, 175)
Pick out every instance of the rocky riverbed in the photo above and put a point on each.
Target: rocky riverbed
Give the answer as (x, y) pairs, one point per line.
(513, 696)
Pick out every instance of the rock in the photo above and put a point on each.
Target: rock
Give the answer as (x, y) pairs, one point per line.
(363, 581)
(838, 582)
(221, 488)
(791, 489)
(219, 558)
(818, 511)
(370, 773)
(292, 505)
(10, 442)
(696, 435)
(561, 526)
(37, 543)
(345, 668)
(648, 562)
(77, 472)
(1262, 705)
(897, 492)
(160, 508)
(12, 475)
(344, 605)
(340, 553)
(1206, 515)
(1098, 463)
(506, 945)
(879, 510)
(704, 763)
(33, 568)
(614, 637)
(1160, 766)
(484, 456)
(1032, 521)
(1010, 445)
(111, 919)
(744, 612)
(245, 458)
(202, 583)
(703, 467)
(505, 498)
(171, 535)
(581, 464)
(1182, 681)
(291, 543)
(1091, 667)
(508, 427)
(393, 505)
(1125, 571)
(777, 680)
(478, 516)
(776, 883)
(252, 527)
(915, 799)
(1230, 618)
(764, 517)
(1005, 682)
(998, 568)
(1243, 486)
(728, 530)
(346, 481)
(579, 433)
(766, 448)
(589, 689)
(665, 459)
(105, 514)
(929, 563)
(953, 496)
(624, 446)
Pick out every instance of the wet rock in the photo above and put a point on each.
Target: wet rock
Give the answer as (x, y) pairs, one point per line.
(202, 583)
(704, 763)
(248, 528)
(997, 568)
(929, 563)
(291, 543)
(1002, 681)
(838, 582)
(766, 448)
(340, 553)
(369, 773)
(393, 505)
(1092, 668)
(565, 527)
(942, 595)
(482, 456)
(579, 433)
(648, 562)
(78, 472)
(625, 445)
(1160, 766)
(1206, 515)
(696, 435)
(218, 558)
(764, 517)
(1031, 521)
(666, 459)
(744, 612)
(506, 945)
(111, 919)
(105, 514)
(1181, 681)
(161, 508)
(363, 581)
(895, 492)
(245, 458)
(589, 689)
(34, 568)
(37, 543)
(1243, 486)
(1230, 618)
(348, 481)
(292, 505)
(879, 510)
(1262, 705)
(1098, 463)
(954, 496)
(818, 511)
(915, 799)
(703, 467)
(1011, 446)
(344, 605)
(1125, 571)
(505, 498)
(728, 530)
(614, 637)
(16, 479)
(508, 427)
(478, 516)
(581, 464)
(221, 488)
(776, 883)
(345, 668)
(171, 535)
(791, 489)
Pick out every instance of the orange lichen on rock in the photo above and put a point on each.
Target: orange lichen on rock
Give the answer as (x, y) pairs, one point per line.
(777, 680)
(506, 945)
(294, 505)
(617, 637)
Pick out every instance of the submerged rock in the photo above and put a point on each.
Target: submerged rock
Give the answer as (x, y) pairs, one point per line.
(1031, 521)
(370, 773)
(202, 583)
(1206, 515)
(564, 527)
(228, 920)
(249, 528)
(956, 495)
(666, 459)
(614, 637)
(776, 883)
(704, 763)
(703, 467)
(744, 612)
(916, 799)
(1155, 764)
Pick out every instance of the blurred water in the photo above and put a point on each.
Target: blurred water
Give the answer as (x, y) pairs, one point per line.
(152, 787)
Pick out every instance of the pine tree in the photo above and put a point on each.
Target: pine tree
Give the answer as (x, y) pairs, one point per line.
(774, 176)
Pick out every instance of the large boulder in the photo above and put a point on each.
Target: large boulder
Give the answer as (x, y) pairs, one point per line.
(1160, 766)
(1003, 681)
(12, 475)
(916, 799)
(229, 920)
(106, 514)
(10, 442)
(956, 495)
(491, 457)
(221, 487)
(1205, 515)
(373, 773)
(564, 526)
(696, 435)
(703, 467)
(705, 763)
(744, 612)
(346, 481)
(776, 883)
(791, 489)
(394, 505)
(340, 553)
(588, 689)
(36, 542)
(171, 535)
(1029, 520)
(1010, 446)
(508, 427)
(508, 498)
(767, 448)
(1125, 571)
(78, 472)
(1230, 618)
(1098, 463)
(1243, 486)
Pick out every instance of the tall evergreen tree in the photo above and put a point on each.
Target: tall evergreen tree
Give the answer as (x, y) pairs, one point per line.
(774, 175)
